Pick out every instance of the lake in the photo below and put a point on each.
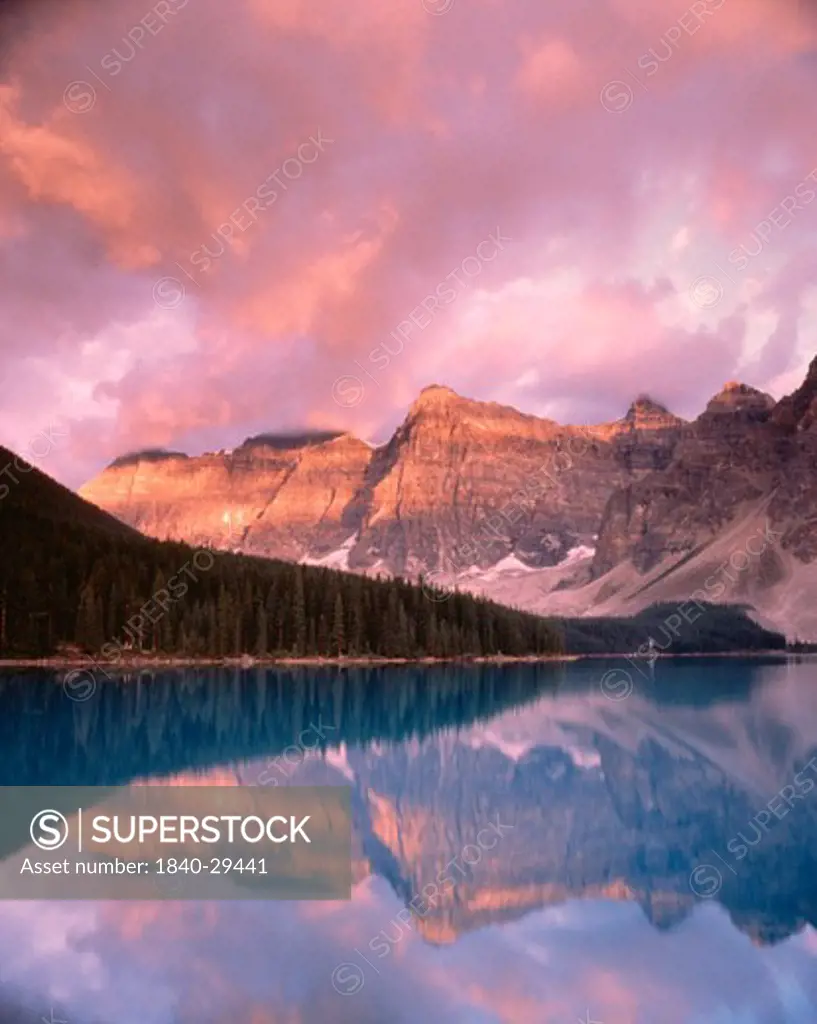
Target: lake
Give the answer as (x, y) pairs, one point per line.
(591, 841)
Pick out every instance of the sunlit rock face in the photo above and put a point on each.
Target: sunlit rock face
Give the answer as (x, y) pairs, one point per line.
(275, 496)
(460, 484)
(740, 398)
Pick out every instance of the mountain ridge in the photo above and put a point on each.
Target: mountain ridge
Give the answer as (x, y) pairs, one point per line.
(302, 501)
(431, 395)
(555, 518)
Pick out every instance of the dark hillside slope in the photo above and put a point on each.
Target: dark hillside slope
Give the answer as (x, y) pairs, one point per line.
(71, 574)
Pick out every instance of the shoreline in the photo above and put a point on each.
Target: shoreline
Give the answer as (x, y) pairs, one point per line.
(88, 664)
(78, 664)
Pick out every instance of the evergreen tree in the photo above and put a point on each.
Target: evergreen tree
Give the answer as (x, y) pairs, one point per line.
(338, 631)
(225, 635)
(261, 644)
(299, 613)
(89, 628)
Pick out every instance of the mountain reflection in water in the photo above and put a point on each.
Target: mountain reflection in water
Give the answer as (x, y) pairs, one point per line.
(525, 848)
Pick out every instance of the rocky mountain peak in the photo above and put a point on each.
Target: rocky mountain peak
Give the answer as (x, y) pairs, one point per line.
(737, 397)
(145, 455)
(438, 405)
(438, 411)
(647, 414)
(798, 411)
(290, 441)
(434, 397)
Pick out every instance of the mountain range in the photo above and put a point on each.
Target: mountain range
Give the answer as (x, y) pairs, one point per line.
(604, 519)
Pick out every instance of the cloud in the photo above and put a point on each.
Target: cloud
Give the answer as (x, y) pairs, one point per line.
(155, 162)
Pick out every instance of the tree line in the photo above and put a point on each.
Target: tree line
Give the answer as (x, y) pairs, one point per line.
(72, 576)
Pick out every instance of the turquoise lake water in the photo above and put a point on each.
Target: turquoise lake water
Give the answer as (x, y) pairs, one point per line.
(593, 841)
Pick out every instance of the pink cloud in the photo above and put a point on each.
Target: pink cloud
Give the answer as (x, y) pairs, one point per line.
(139, 146)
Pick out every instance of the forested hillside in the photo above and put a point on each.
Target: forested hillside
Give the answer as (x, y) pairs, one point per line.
(72, 575)
(685, 627)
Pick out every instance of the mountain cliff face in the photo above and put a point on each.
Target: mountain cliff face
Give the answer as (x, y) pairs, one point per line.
(264, 498)
(600, 519)
(465, 484)
(731, 455)
(460, 484)
(732, 515)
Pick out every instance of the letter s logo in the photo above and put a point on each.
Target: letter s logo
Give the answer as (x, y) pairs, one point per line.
(49, 830)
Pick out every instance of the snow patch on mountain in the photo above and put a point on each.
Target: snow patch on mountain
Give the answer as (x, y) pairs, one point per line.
(508, 566)
(337, 559)
(578, 554)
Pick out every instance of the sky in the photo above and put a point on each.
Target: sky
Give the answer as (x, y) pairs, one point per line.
(222, 219)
